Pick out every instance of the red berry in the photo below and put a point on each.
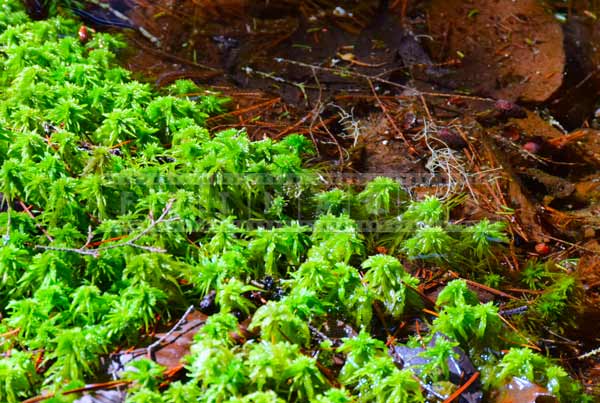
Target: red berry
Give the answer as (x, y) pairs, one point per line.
(381, 250)
(532, 147)
(509, 109)
(512, 133)
(504, 105)
(84, 34)
(542, 248)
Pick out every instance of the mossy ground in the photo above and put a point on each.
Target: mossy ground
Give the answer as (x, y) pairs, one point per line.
(120, 210)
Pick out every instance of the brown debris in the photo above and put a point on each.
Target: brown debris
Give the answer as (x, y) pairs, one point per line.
(379, 152)
(510, 50)
(573, 103)
(177, 343)
(529, 224)
(522, 391)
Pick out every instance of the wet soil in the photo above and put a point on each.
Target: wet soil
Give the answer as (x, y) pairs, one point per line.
(507, 51)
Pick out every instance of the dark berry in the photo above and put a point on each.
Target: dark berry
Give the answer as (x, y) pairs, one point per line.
(503, 105)
(268, 282)
(451, 138)
(207, 304)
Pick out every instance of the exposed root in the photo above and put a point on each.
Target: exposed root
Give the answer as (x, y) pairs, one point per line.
(351, 125)
(445, 163)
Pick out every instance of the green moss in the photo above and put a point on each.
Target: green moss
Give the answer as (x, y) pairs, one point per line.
(121, 208)
(524, 363)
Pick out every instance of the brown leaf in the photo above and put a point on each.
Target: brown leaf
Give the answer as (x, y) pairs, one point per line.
(522, 391)
(509, 49)
(177, 345)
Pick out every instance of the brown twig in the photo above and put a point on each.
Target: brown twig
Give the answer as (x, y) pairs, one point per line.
(525, 291)
(294, 126)
(562, 141)
(484, 287)
(514, 329)
(11, 333)
(173, 57)
(591, 353)
(574, 245)
(245, 110)
(30, 214)
(411, 149)
(464, 387)
(172, 76)
(381, 317)
(412, 91)
(430, 312)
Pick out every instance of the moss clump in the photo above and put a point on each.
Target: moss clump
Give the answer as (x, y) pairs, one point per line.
(120, 210)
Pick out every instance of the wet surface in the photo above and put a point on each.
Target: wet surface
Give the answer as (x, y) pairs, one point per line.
(459, 366)
(522, 391)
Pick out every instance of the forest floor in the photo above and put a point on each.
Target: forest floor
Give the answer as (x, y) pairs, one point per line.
(493, 101)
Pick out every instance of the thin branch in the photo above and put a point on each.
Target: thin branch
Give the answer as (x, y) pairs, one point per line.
(150, 349)
(30, 214)
(595, 351)
(8, 224)
(153, 223)
(130, 242)
(391, 121)
(91, 252)
(514, 329)
(413, 92)
(242, 111)
(10, 333)
(270, 76)
(86, 388)
(430, 389)
(319, 334)
(90, 236)
(484, 287)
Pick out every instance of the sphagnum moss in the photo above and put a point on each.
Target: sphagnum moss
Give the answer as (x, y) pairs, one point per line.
(120, 208)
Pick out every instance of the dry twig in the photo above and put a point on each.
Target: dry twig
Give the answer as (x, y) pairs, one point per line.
(130, 242)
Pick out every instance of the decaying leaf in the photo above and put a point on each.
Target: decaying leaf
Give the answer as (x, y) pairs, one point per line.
(509, 49)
